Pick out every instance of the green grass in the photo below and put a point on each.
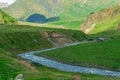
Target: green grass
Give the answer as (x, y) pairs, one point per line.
(108, 26)
(27, 28)
(96, 54)
(70, 24)
(17, 38)
(11, 67)
(25, 41)
(64, 24)
(5, 18)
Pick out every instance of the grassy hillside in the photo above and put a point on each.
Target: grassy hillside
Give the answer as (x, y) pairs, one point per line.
(110, 24)
(65, 9)
(17, 39)
(25, 38)
(104, 20)
(96, 54)
(5, 18)
(68, 24)
(10, 67)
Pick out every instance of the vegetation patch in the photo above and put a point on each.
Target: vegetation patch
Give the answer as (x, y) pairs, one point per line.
(26, 38)
(5, 18)
(10, 67)
(96, 54)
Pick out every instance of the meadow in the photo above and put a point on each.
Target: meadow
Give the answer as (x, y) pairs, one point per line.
(15, 39)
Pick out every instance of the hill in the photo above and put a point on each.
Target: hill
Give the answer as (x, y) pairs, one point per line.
(64, 9)
(105, 21)
(15, 39)
(99, 54)
(5, 18)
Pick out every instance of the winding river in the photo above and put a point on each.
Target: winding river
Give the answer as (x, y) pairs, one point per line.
(65, 67)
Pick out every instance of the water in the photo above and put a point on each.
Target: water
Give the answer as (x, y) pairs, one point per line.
(65, 67)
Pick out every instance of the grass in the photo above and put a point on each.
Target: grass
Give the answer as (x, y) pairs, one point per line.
(73, 24)
(96, 54)
(20, 38)
(5, 18)
(25, 41)
(70, 24)
(109, 25)
(17, 38)
(11, 67)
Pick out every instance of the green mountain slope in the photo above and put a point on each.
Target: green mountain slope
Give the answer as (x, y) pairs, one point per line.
(106, 22)
(5, 18)
(65, 9)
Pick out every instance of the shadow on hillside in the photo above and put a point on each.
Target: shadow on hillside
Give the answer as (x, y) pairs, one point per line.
(39, 18)
(110, 33)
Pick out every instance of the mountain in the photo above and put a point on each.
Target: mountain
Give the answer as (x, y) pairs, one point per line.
(6, 3)
(64, 9)
(5, 18)
(2, 4)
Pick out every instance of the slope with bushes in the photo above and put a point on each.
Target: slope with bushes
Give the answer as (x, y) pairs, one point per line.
(17, 38)
(5, 18)
(104, 21)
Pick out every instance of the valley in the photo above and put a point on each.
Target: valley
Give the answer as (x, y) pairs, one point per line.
(10, 49)
(60, 40)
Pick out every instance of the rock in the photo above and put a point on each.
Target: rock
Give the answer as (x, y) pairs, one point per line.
(20, 77)
(119, 26)
(101, 39)
(77, 77)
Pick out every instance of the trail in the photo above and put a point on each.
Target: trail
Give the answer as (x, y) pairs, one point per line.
(65, 67)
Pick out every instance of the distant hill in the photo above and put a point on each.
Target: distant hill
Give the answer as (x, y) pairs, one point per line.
(65, 9)
(5, 18)
(106, 21)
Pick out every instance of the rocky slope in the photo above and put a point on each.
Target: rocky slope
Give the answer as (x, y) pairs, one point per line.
(101, 16)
